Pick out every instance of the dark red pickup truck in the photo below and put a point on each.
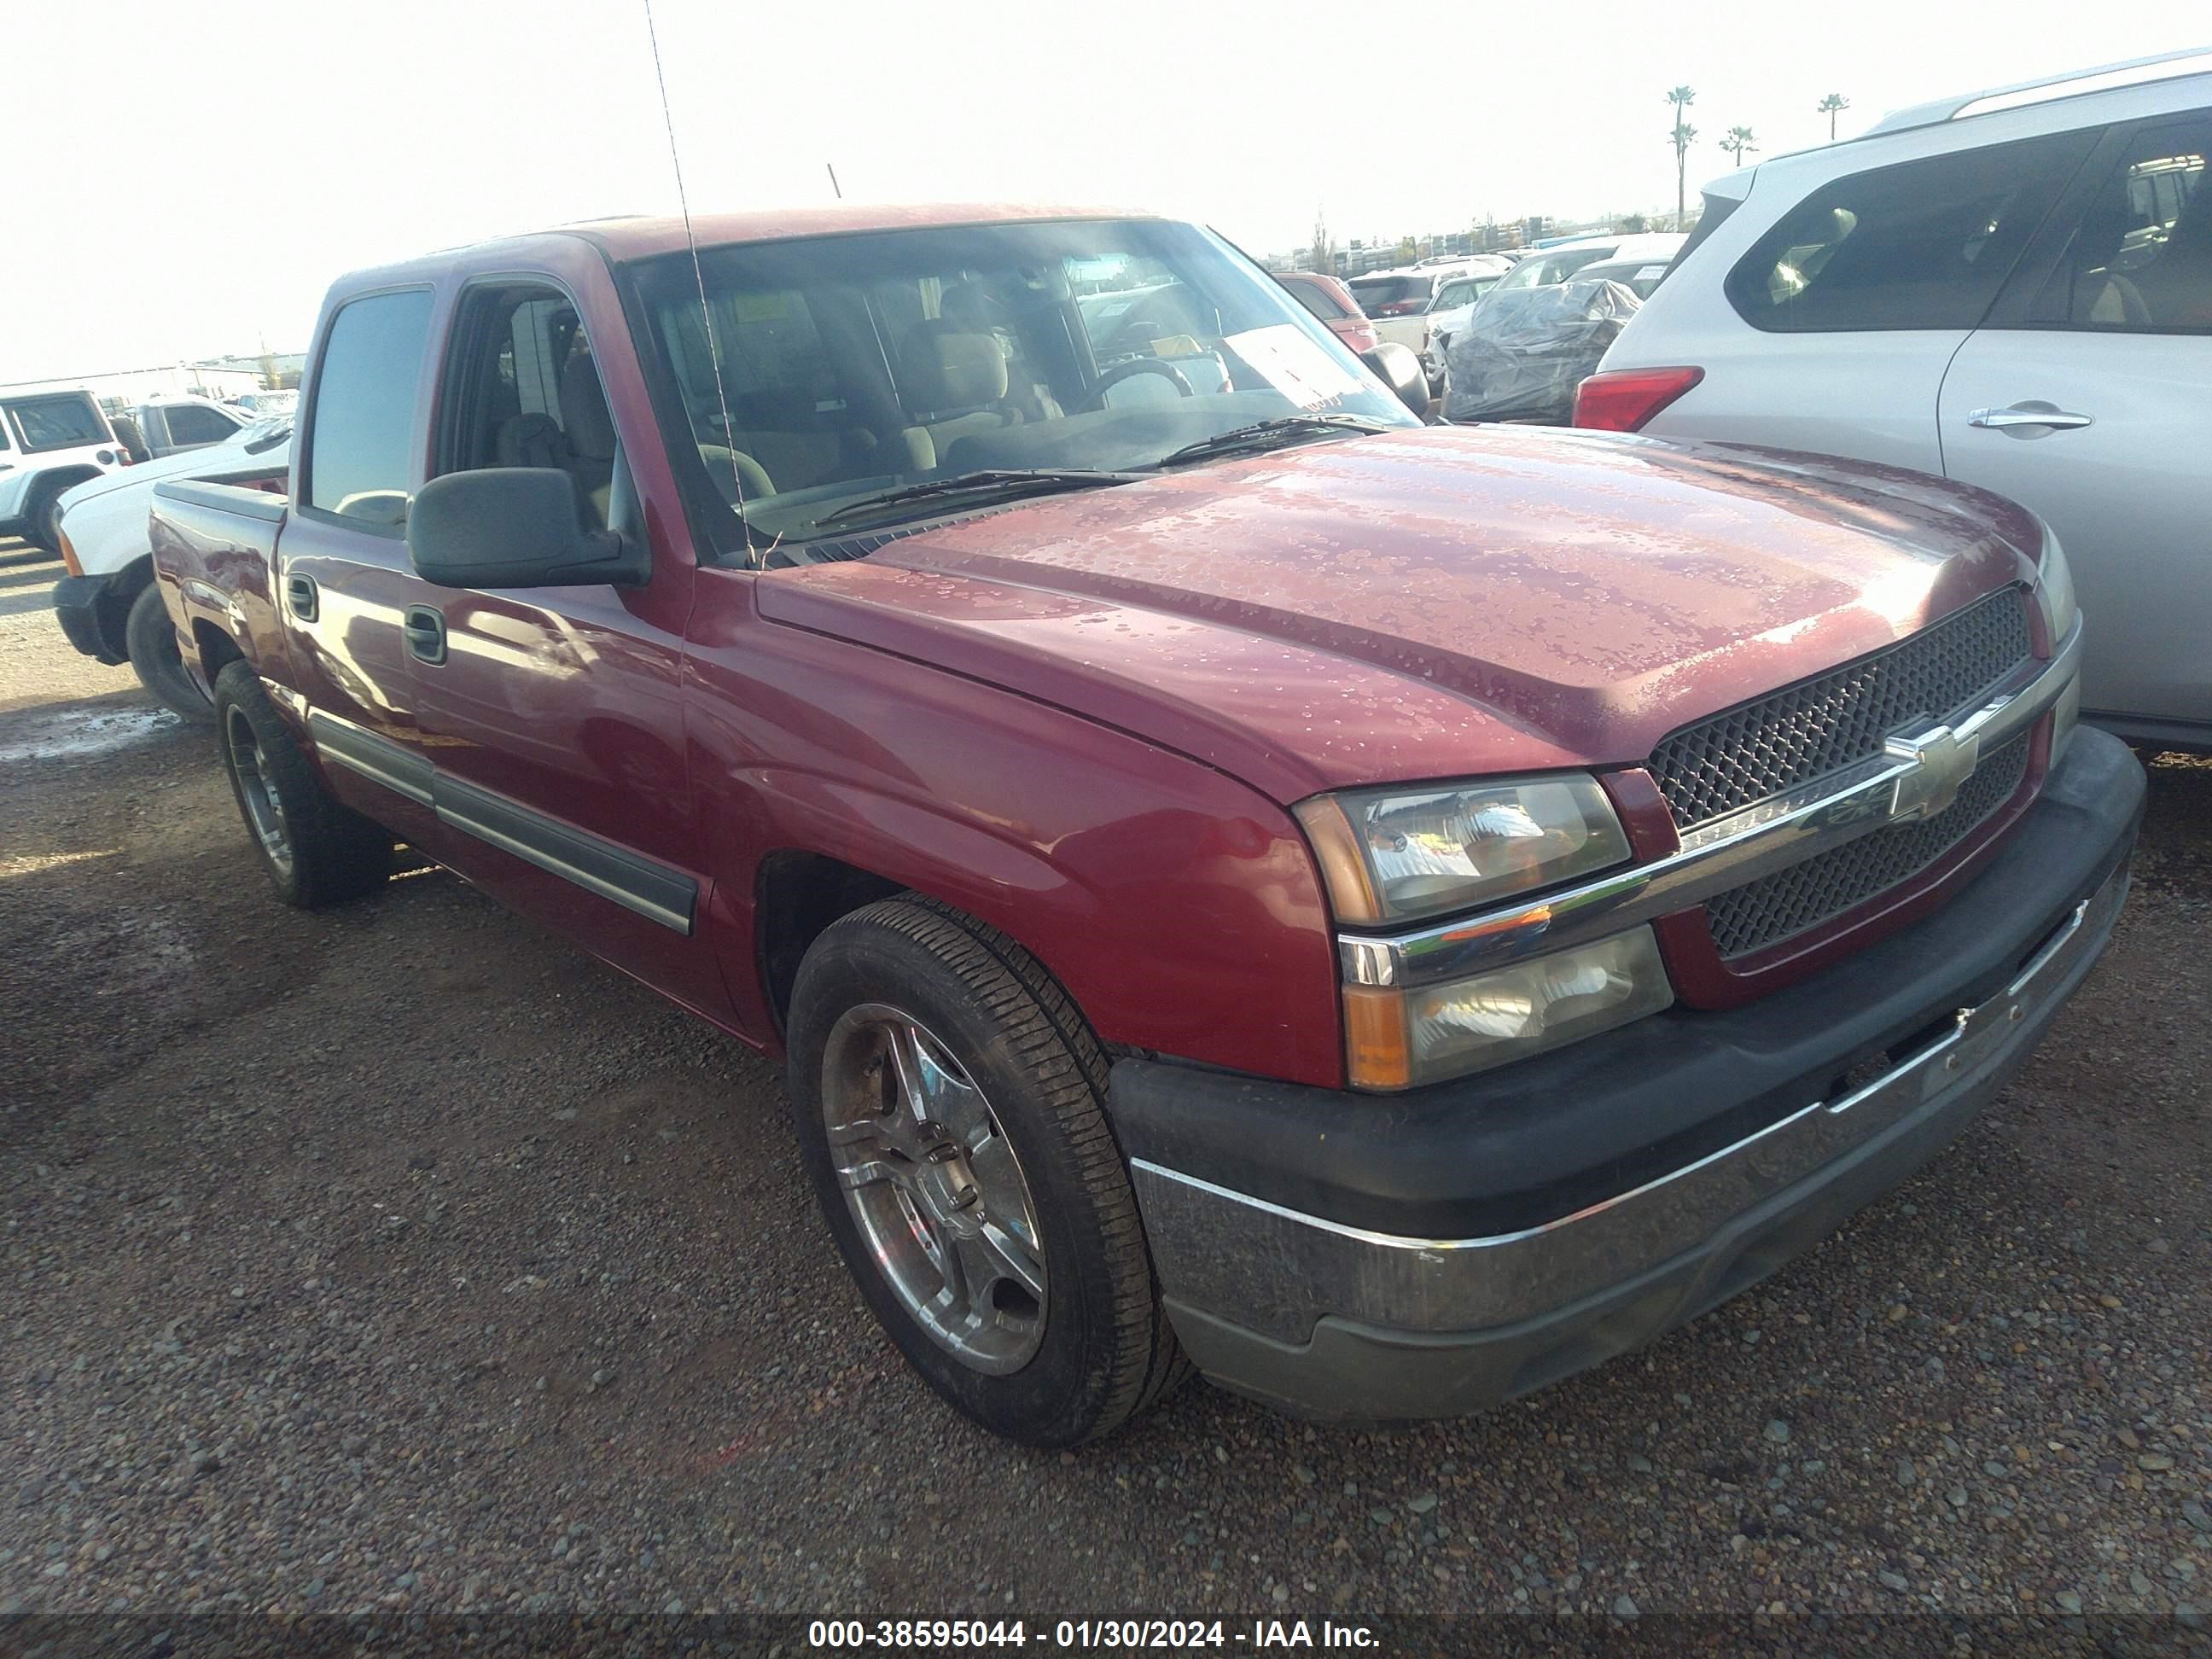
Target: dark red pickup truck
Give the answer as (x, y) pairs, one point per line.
(1386, 915)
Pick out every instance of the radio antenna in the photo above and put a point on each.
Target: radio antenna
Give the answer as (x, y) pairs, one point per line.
(699, 277)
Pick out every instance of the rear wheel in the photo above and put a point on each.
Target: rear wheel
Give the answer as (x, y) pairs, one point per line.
(150, 639)
(43, 524)
(950, 1104)
(316, 851)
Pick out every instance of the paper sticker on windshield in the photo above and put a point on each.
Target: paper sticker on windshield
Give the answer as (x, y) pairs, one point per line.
(1651, 273)
(1294, 365)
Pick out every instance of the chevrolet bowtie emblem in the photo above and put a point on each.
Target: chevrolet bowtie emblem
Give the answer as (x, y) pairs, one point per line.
(1942, 762)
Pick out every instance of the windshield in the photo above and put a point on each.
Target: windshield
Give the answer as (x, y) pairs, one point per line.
(1464, 292)
(850, 366)
(1542, 270)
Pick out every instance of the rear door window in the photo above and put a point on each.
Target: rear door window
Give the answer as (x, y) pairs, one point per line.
(1922, 245)
(361, 464)
(191, 425)
(67, 421)
(2140, 258)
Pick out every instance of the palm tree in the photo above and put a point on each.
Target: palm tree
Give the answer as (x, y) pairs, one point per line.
(1738, 141)
(1681, 98)
(1832, 105)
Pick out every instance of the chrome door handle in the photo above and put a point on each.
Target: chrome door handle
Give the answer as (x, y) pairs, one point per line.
(2028, 414)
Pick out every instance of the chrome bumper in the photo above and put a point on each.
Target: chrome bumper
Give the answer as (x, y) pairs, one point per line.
(1231, 1261)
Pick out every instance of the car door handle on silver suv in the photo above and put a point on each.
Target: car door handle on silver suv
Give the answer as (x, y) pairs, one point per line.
(2030, 415)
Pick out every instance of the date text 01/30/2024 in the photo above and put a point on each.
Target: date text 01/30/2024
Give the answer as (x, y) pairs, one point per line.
(1258, 1634)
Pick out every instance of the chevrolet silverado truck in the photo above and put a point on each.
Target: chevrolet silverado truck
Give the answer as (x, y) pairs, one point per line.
(1385, 916)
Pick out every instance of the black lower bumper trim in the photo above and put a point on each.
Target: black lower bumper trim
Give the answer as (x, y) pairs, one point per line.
(1545, 1138)
(79, 604)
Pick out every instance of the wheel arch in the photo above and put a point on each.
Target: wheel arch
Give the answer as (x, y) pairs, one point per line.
(216, 650)
(797, 895)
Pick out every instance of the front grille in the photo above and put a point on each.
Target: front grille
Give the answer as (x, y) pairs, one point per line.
(1777, 907)
(1731, 760)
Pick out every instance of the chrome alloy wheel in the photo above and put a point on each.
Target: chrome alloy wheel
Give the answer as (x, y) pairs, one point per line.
(264, 813)
(934, 1187)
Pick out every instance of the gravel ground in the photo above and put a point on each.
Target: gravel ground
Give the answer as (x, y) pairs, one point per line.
(404, 1258)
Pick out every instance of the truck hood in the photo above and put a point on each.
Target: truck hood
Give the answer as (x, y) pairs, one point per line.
(230, 456)
(1431, 603)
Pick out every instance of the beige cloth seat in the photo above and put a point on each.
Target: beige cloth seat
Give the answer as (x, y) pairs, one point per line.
(954, 385)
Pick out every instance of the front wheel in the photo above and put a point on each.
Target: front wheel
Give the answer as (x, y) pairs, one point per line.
(150, 641)
(315, 850)
(950, 1108)
(43, 527)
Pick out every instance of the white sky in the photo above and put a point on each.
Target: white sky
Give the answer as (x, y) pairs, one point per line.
(184, 180)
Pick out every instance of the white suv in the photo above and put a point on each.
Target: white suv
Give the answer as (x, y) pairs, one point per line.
(2013, 289)
(49, 440)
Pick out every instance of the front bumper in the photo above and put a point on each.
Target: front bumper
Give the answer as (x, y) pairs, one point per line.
(85, 608)
(1325, 1263)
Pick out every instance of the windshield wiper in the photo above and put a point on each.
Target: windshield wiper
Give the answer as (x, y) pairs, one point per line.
(1270, 435)
(1010, 483)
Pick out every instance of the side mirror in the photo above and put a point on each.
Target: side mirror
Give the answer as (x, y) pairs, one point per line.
(1398, 368)
(515, 526)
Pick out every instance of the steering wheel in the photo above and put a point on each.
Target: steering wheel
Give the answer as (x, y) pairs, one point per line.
(1120, 372)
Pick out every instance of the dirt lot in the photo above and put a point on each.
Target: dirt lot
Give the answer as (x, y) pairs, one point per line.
(403, 1257)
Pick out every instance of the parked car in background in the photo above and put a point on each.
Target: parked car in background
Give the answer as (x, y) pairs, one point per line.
(1524, 351)
(106, 603)
(1556, 262)
(167, 426)
(49, 440)
(263, 405)
(1641, 278)
(1330, 300)
(1398, 302)
(1448, 313)
(2010, 288)
(1388, 915)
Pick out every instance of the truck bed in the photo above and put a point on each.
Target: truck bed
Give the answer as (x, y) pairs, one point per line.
(215, 558)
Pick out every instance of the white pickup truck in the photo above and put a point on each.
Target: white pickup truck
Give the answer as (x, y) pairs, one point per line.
(49, 440)
(106, 604)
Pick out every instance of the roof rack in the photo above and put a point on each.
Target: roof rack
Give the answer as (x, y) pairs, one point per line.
(2136, 71)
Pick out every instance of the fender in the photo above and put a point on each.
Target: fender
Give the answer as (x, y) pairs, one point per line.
(1180, 908)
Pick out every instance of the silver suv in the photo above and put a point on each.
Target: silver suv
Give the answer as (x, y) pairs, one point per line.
(2012, 288)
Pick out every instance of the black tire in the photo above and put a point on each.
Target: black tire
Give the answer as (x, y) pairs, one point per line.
(331, 853)
(150, 639)
(42, 524)
(130, 438)
(1105, 1351)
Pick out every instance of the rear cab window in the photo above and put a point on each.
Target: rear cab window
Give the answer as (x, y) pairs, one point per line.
(360, 459)
(1921, 245)
(1374, 292)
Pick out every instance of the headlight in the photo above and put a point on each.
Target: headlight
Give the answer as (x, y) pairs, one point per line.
(2054, 597)
(1395, 854)
(1398, 1038)
(2054, 590)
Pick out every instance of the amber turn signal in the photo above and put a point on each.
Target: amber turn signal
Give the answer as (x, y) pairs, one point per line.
(1375, 1055)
